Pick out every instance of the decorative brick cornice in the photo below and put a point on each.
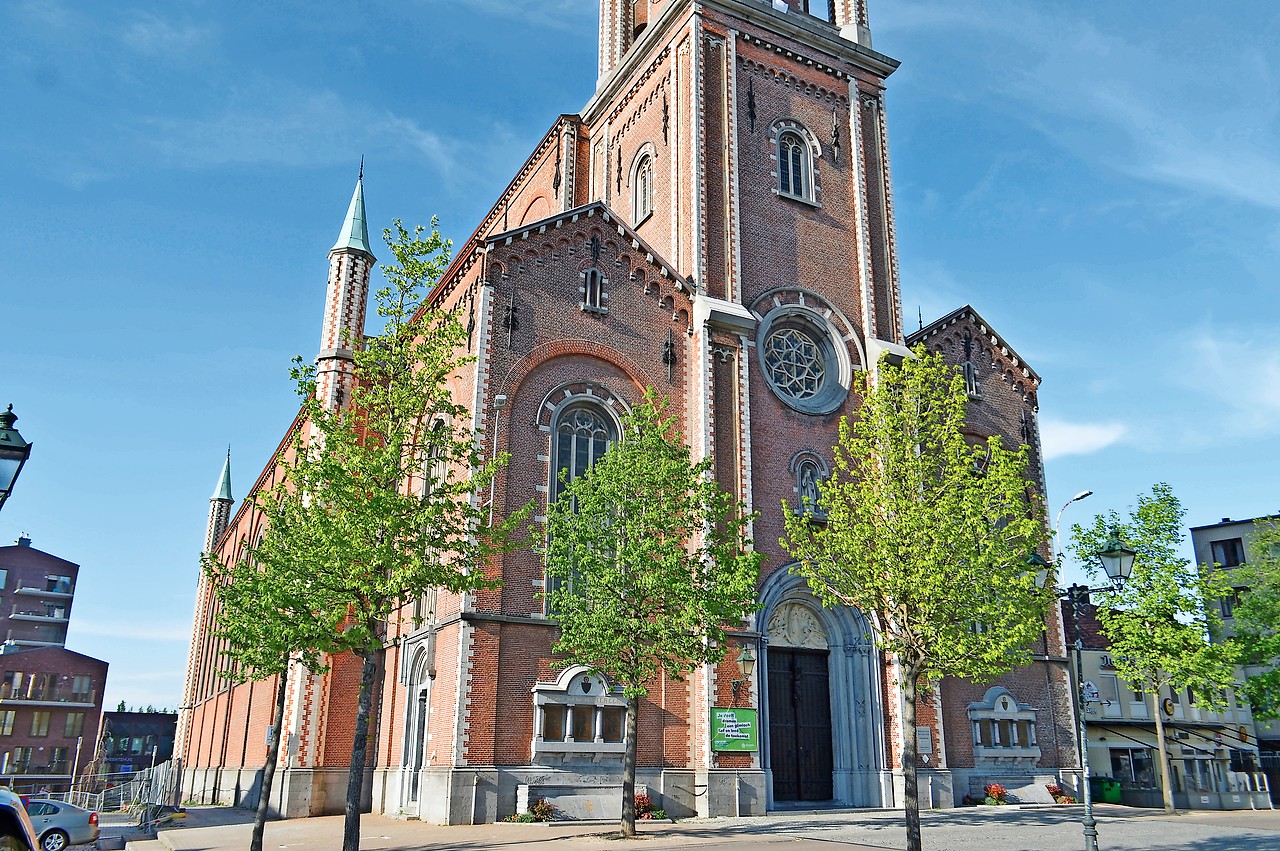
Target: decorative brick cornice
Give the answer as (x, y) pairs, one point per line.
(1001, 350)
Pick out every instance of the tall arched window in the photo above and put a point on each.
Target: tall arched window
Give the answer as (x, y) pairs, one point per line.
(794, 166)
(642, 189)
(583, 433)
(592, 289)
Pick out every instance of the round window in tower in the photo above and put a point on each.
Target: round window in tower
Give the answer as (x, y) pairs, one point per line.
(803, 359)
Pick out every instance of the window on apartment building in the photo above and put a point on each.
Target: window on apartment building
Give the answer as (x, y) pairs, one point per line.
(74, 725)
(40, 723)
(1133, 767)
(1231, 601)
(21, 760)
(11, 686)
(1228, 553)
(82, 688)
(58, 584)
(4, 578)
(42, 686)
(579, 714)
(58, 762)
(6, 722)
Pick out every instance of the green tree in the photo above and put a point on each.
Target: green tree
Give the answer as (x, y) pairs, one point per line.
(1158, 623)
(1256, 619)
(381, 490)
(267, 623)
(929, 536)
(648, 561)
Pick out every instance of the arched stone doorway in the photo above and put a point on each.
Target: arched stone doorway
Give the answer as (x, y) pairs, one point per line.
(417, 714)
(820, 698)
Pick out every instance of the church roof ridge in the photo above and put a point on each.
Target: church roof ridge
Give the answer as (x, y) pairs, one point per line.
(967, 312)
(609, 217)
(355, 228)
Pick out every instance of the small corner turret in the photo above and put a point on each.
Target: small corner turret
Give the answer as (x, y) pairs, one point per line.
(350, 264)
(219, 506)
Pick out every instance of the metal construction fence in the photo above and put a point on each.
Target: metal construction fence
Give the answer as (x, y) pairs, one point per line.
(138, 791)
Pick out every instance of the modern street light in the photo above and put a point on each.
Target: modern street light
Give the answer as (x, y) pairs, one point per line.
(1117, 560)
(14, 452)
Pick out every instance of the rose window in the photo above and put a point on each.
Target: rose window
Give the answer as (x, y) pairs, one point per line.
(794, 362)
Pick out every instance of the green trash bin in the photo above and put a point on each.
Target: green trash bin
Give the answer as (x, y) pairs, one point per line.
(1104, 790)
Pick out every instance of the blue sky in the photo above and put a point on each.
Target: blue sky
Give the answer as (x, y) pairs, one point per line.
(1101, 181)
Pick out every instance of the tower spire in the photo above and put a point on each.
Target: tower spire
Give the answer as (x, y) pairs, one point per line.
(219, 506)
(342, 332)
(355, 230)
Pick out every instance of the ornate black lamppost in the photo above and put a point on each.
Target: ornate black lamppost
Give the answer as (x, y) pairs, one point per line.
(14, 452)
(1117, 560)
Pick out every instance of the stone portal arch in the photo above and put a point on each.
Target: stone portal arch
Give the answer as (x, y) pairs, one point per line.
(417, 712)
(801, 640)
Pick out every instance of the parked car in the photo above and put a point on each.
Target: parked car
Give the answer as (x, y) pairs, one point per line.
(59, 824)
(16, 832)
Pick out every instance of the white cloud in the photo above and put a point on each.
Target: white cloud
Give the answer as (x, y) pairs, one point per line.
(1060, 438)
(272, 123)
(1237, 382)
(1124, 98)
(153, 36)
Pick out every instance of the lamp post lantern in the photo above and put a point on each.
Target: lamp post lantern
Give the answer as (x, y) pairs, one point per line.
(14, 452)
(746, 664)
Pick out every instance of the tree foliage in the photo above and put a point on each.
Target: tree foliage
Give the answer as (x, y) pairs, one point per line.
(647, 563)
(266, 620)
(376, 505)
(1158, 623)
(1256, 619)
(929, 535)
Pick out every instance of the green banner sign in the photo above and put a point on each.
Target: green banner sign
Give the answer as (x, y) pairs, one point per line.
(734, 730)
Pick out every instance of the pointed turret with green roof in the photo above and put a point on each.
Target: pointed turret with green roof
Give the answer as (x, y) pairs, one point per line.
(350, 264)
(219, 506)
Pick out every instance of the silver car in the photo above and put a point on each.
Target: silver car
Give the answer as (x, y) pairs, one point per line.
(59, 824)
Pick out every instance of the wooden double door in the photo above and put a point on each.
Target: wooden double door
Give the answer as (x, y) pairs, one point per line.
(800, 748)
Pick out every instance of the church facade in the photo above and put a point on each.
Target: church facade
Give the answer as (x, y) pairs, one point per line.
(716, 223)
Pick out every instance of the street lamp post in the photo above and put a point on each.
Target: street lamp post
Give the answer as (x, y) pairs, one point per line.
(1117, 561)
(14, 452)
(746, 664)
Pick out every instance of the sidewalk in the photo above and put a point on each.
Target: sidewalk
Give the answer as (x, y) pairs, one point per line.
(224, 829)
(988, 828)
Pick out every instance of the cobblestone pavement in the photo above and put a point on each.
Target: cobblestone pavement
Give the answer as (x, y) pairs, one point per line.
(983, 828)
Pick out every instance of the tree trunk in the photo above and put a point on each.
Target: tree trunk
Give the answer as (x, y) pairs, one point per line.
(910, 757)
(269, 769)
(628, 825)
(359, 748)
(1166, 770)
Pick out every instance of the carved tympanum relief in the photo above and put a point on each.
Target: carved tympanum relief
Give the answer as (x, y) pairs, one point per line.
(796, 625)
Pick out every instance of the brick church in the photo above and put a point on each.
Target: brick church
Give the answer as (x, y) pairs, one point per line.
(717, 222)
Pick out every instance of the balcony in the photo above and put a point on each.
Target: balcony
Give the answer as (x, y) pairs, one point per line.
(35, 642)
(60, 590)
(38, 696)
(49, 614)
